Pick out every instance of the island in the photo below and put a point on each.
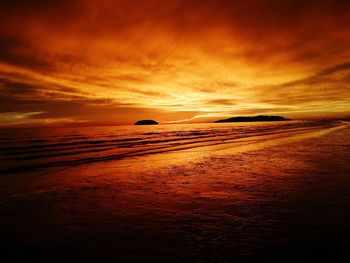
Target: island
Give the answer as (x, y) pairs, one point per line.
(146, 122)
(254, 119)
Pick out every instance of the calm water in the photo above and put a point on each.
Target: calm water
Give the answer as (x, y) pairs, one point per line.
(35, 148)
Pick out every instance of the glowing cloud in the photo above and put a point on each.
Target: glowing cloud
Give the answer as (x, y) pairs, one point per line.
(112, 62)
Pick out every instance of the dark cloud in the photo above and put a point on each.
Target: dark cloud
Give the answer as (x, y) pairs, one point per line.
(21, 53)
(325, 76)
(13, 87)
(76, 110)
(225, 102)
(326, 87)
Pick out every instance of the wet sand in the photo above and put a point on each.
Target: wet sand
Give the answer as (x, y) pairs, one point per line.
(274, 198)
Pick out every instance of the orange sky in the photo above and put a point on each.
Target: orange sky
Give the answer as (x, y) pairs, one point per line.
(114, 62)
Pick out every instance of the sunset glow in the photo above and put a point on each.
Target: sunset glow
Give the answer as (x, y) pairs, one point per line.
(174, 130)
(114, 62)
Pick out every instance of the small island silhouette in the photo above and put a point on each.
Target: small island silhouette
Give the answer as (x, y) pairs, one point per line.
(146, 122)
(253, 119)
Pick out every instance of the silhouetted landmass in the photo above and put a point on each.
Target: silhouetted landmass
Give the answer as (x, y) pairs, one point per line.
(146, 122)
(254, 119)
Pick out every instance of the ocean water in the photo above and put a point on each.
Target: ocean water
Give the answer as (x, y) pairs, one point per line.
(135, 194)
(30, 148)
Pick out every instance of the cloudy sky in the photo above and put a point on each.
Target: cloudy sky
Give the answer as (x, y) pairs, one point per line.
(117, 61)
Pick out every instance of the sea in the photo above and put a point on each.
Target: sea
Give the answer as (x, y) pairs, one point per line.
(32, 148)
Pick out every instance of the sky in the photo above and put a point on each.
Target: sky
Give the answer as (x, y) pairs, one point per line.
(113, 62)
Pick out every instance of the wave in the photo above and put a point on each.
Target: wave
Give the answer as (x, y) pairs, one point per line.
(84, 147)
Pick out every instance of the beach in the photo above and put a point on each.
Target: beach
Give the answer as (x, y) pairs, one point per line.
(253, 192)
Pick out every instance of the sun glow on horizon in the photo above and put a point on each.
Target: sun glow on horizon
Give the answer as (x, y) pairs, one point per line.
(114, 62)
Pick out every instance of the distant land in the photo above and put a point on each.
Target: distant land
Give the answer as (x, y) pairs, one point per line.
(146, 122)
(253, 119)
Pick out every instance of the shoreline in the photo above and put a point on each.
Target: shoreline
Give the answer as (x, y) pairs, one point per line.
(271, 200)
(214, 143)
